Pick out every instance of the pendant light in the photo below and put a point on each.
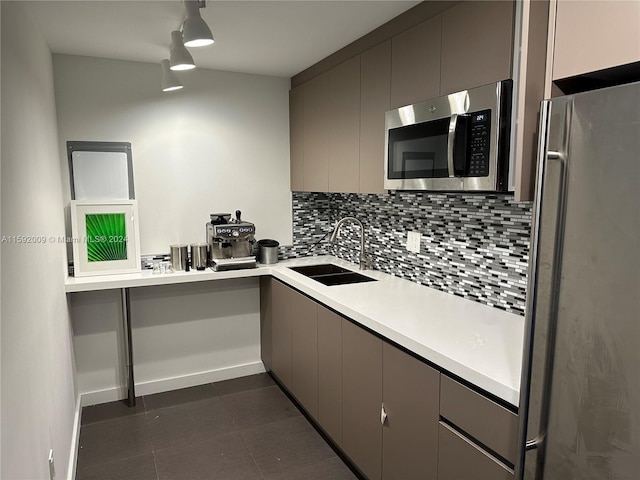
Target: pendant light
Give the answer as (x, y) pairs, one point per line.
(169, 80)
(179, 56)
(195, 30)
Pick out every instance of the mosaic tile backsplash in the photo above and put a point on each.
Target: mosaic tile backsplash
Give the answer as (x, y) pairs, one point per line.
(473, 246)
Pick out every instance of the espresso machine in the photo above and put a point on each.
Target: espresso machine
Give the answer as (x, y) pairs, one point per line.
(230, 242)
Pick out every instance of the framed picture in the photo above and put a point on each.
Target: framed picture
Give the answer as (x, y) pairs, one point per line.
(105, 237)
(100, 170)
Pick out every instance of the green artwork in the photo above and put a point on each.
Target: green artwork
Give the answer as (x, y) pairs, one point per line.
(106, 237)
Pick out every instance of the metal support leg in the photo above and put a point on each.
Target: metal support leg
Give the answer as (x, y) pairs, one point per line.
(128, 346)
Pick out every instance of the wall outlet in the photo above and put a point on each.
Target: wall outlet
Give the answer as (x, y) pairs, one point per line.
(413, 241)
(52, 466)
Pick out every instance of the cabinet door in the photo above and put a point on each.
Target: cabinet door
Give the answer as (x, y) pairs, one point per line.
(410, 396)
(362, 399)
(595, 35)
(296, 137)
(415, 63)
(344, 126)
(304, 350)
(281, 333)
(489, 423)
(316, 134)
(330, 373)
(458, 458)
(266, 323)
(375, 100)
(477, 39)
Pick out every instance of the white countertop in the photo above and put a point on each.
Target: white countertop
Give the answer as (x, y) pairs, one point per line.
(478, 343)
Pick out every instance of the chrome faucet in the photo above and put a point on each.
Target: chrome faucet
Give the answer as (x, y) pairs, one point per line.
(364, 260)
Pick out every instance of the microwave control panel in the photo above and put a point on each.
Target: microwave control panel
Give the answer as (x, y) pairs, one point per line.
(479, 144)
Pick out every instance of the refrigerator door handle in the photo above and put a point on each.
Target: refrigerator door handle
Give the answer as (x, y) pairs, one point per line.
(532, 444)
(537, 443)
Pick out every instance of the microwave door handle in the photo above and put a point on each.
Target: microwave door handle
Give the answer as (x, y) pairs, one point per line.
(450, 142)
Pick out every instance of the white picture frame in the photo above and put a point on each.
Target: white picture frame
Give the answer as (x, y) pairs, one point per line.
(100, 171)
(105, 237)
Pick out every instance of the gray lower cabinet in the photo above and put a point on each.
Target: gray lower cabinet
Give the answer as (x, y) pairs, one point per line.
(294, 342)
(459, 458)
(390, 408)
(410, 395)
(491, 424)
(478, 437)
(330, 373)
(359, 376)
(266, 323)
(281, 315)
(393, 415)
(304, 351)
(362, 399)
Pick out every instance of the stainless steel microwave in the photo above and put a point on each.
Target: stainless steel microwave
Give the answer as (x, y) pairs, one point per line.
(458, 142)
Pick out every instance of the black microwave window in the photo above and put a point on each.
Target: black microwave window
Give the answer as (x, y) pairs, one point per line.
(419, 151)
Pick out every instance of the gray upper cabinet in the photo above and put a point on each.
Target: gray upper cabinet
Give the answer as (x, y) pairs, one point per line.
(296, 137)
(325, 131)
(477, 44)
(316, 118)
(375, 100)
(337, 116)
(595, 35)
(415, 63)
(344, 126)
(410, 396)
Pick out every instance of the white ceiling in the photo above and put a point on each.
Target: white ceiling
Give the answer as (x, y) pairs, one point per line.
(265, 37)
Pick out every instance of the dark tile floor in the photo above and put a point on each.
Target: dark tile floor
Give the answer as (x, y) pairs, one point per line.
(241, 429)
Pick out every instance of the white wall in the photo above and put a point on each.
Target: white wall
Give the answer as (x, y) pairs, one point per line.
(183, 335)
(38, 398)
(218, 145)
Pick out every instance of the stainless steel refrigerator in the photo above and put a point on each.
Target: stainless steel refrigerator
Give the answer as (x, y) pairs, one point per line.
(580, 392)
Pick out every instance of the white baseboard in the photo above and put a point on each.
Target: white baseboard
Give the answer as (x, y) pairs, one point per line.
(75, 439)
(174, 383)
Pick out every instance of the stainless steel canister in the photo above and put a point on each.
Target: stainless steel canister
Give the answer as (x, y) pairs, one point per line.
(179, 257)
(268, 251)
(199, 256)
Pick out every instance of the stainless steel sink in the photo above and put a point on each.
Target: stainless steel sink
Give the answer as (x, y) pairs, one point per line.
(329, 274)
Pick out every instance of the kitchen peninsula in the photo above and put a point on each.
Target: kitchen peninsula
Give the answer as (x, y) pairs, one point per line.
(475, 342)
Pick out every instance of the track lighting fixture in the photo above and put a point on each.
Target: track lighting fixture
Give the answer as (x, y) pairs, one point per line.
(169, 80)
(195, 31)
(179, 56)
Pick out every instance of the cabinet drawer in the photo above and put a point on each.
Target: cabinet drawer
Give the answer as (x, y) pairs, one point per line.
(458, 458)
(486, 421)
